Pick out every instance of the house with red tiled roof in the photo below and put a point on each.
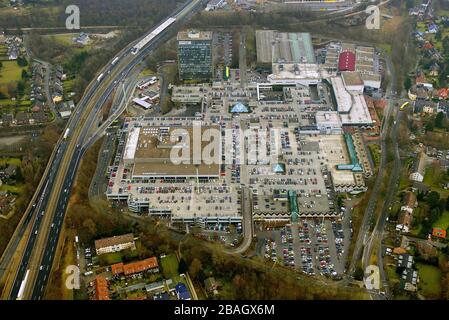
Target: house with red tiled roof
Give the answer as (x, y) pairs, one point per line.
(443, 93)
(117, 269)
(101, 288)
(428, 46)
(149, 264)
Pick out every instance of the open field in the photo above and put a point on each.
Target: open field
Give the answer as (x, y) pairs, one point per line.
(6, 161)
(10, 72)
(66, 39)
(169, 266)
(430, 280)
(443, 221)
(110, 258)
(17, 189)
(433, 178)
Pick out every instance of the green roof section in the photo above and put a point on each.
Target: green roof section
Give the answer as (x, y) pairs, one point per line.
(301, 47)
(354, 165)
(293, 205)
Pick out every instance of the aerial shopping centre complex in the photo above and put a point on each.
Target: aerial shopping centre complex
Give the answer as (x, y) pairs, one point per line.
(294, 138)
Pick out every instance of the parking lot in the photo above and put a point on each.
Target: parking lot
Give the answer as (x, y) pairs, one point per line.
(311, 246)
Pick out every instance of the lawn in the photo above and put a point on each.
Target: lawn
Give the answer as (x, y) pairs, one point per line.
(169, 266)
(14, 161)
(17, 189)
(10, 72)
(433, 178)
(375, 153)
(443, 221)
(429, 280)
(146, 73)
(110, 258)
(66, 39)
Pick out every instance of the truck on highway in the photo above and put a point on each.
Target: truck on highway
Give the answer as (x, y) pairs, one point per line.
(100, 77)
(23, 285)
(142, 43)
(115, 60)
(66, 134)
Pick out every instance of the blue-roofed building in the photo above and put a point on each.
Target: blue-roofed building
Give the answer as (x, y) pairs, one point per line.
(181, 291)
(433, 28)
(239, 108)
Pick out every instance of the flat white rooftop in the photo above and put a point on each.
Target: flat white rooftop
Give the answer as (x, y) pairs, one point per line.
(131, 144)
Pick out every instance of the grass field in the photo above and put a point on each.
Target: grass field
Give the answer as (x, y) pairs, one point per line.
(17, 189)
(10, 72)
(443, 221)
(433, 178)
(146, 73)
(375, 153)
(429, 280)
(66, 39)
(169, 266)
(110, 258)
(6, 161)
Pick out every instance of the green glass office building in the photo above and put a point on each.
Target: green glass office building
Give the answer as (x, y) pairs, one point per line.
(195, 55)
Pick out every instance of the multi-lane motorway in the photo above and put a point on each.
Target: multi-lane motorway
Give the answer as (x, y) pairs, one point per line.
(43, 222)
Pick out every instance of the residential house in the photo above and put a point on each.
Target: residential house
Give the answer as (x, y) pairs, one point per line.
(405, 261)
(443, 106)
(418, 92)
(404, 221)
(439, 233)
(57, 97)
(22, 118)
(409, 280)
(211, 285)
(161, 296)
(181, 291)
(64, 110)
(7, 119)
(115, 244)
(434, 70)
(420, 168)
(101, 291)
(432, 28)
(410, 202)
(8, 172)
(420, 105)
(39, 117)
(135, 268)
(83, 39)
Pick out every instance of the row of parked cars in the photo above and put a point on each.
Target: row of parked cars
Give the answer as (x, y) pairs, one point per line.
(325, 266)
(287, 250)
(306, 250)
(337, 228)
(89, 263)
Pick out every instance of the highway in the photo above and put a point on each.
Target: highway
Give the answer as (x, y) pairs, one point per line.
(43, 242)
(363, 235)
